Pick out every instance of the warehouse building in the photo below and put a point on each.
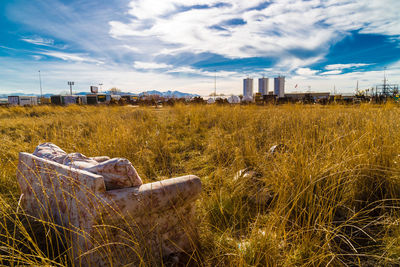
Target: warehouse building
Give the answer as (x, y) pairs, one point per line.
(22, 100)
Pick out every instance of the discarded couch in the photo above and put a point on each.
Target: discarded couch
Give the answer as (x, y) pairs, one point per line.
(107, 215)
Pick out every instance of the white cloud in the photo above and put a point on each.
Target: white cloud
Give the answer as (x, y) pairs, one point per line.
(71, 57)
(345, 66)
(194, 29)
(275, 31)
(150, 65)
(131, 48)
(37, 57)
(344, 82)
(331, 72)
(186, 69)
(182, 70)
(190, 70)
(306, 71)
(370, 16)
(39, 41)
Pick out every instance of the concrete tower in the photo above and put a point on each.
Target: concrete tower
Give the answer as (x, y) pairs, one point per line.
(279, 86)
(263, 86)
(248, 87)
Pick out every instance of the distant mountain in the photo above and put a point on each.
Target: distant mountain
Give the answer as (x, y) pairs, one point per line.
(83, 93)
(118, 93)
(22, 94)
(175, 94)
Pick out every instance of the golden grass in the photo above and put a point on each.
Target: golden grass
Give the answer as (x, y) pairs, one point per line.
(334, 194)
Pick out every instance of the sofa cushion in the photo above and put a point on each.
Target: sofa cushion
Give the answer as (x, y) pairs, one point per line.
(79, 161)
(51, 152)
(117, 173)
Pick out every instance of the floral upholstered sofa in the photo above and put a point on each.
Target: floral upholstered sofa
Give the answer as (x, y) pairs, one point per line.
(105, 213)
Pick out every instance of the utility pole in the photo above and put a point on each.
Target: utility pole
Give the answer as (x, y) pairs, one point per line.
(40, 82)
(384, 80)
(215, 84)
(357, 91)
(70, 86)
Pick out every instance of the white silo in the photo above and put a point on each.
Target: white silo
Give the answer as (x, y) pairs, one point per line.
(279, 86)
(248, 87)
(263, 86)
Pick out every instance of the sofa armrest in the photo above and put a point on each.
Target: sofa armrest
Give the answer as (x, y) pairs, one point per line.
(157, 196)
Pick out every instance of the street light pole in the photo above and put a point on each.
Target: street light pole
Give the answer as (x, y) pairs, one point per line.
(40, 82)
(70, 86)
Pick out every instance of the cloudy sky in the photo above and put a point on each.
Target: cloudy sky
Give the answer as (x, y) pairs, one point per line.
(139, 45)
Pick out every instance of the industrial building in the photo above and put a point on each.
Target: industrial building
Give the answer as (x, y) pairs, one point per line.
(22, 100)
(263, 86)
(68, 99)
(130, 99)
(94, 99)
(307, 95)
(248, 87)
(279, 86)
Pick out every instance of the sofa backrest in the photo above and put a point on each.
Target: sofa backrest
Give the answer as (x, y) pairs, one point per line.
(54, 190)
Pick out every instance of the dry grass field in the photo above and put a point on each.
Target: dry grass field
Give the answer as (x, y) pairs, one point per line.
(330, 197)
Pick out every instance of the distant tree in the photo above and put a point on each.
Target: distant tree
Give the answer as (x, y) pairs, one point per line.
(115, 90)
(214, 94)
(198, 100)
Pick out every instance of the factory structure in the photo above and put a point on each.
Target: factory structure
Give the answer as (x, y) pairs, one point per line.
(263, 87)
(279, 86)
(277, 94)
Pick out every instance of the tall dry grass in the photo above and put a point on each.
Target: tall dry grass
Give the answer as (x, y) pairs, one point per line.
(332, 197)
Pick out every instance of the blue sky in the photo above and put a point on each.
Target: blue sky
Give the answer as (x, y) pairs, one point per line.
(139, 45)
